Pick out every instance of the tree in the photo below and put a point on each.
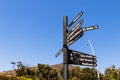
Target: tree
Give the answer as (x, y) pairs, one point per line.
(112, 73)
(45, 72)
(89, 74)
(75, 72)
(13, 64)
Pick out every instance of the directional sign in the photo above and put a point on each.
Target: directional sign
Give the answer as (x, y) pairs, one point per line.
(76, 62)
(80, 58)
(81, 54)
(59, 52)
(89, 64)
(75, 28)
(90, 28)
(79, 33)
(75, 19)
(70, 35)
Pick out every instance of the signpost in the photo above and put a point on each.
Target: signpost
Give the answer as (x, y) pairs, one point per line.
(75, 28)
(59, 52)
(79, 58)
(90, 28)
(79, 33)
(65, 48)
(75, 19)
(69, 37)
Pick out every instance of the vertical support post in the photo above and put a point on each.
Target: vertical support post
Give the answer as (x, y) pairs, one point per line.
(65, 48)
(98, 75)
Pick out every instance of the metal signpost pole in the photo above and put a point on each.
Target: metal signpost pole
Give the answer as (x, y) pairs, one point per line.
(65, 48)
(69, 37)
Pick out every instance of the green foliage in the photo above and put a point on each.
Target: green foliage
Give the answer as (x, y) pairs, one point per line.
(46, 72)
(75, 72)
(112, 73)
(23, 78)
(89, 74)
(4, 77)
(42, 72)
(73, 78)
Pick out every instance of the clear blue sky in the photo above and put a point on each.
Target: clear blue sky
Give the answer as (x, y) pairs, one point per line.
(31, 31)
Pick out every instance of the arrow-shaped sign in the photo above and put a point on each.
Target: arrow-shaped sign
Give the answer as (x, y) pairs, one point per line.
(90, 28)
(81, 54)
(59, 52)
(75, 37)
(75, 19)
(74, 29)
(80, 58)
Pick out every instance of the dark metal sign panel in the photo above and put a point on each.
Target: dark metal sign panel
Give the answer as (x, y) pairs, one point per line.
(90, 28)
(75, 19)
(74, 29)
(80, 58)
(59, 52)
(81, 54)
(82, 63)
(89, 64)
(79, 33)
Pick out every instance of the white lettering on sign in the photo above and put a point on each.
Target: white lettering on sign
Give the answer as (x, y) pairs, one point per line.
(71, 54)
(78, 24)
(94, 60)
(90, 28)
(78, 17)
(59, 52)
(88, 56)
(71, 58)
(76, 34)
(81, 59)
(88, 60)
(82, 55)
(87, 64)
(74, 29)
(73, 32)
(69, 43)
